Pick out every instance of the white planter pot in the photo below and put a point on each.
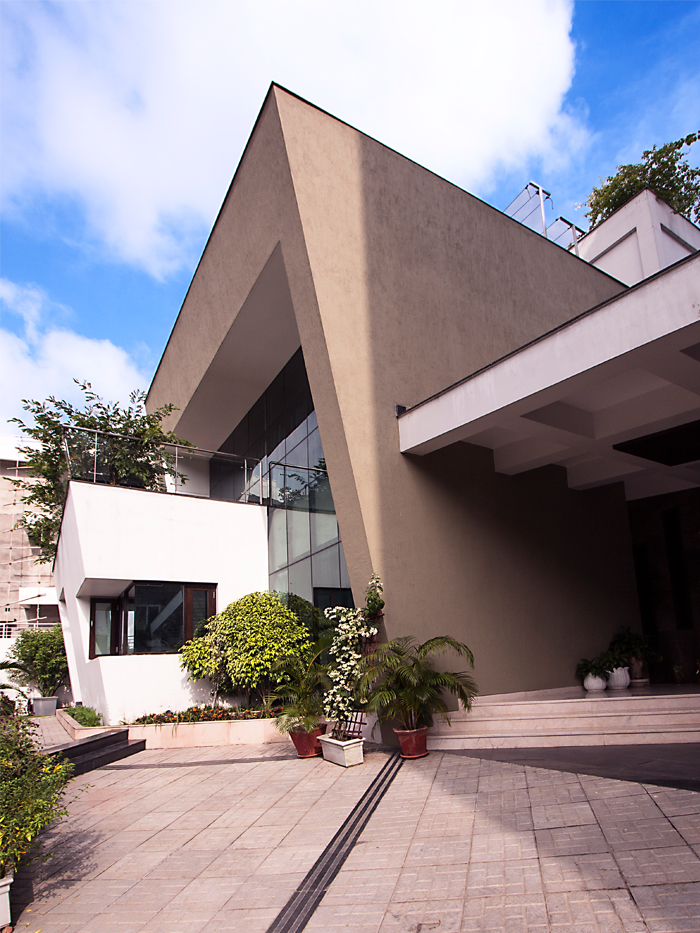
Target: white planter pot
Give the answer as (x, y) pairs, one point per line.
(594, 684)
(346, 754)
(5, 883)
(44, 706)
(619, 678)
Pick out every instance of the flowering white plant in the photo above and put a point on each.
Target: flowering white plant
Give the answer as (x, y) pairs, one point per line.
(351, 626)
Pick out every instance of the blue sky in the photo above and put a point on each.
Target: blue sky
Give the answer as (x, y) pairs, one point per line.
(123, 122)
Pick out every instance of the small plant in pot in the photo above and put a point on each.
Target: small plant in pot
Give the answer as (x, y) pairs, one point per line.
(39, 660)
(305, 678)
(637, 651)
(595, 673)
(400, 684)
(619, 671)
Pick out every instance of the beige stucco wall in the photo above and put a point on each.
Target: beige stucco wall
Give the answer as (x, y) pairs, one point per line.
(401, 284)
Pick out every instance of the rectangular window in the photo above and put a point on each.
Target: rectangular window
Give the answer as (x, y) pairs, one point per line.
(104, 627)
(150, 618)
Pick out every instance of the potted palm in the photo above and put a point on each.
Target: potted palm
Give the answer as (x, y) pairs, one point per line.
(305, 678)
(399, 683)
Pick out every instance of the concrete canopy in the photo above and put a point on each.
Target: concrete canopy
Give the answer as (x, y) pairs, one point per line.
(626, 369)
(395, 283)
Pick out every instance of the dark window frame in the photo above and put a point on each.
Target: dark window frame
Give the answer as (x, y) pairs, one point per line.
(115, 603)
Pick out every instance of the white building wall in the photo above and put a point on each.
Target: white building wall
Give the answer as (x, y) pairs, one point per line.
(111, 536)
(640, 238)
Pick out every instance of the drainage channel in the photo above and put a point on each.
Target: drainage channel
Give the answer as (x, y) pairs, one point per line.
(300, 907)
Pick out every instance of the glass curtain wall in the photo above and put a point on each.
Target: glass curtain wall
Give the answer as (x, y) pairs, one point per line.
(305, 551)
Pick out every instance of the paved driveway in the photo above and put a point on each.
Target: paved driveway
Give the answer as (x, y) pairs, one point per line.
(219, 839)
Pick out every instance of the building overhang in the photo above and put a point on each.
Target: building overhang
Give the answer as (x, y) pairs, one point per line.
(621, 371)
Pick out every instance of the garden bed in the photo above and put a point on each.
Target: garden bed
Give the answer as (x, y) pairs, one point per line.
(75, 730)
(208, 734)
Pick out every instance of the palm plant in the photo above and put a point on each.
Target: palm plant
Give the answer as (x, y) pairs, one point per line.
(305, 681)
(400, 682)
(13, 667)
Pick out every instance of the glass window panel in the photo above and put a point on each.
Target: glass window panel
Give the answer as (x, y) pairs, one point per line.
(320, 498)
(277, 539)
(256, 422)
(300, 579)
(312, 421)
(226, 479)
(128, 639)
(275, 398)
(297, 435)
(298, 455)
(158, 618)
(279, 582)
(298, 535)
(316, 450)
(200, 607)
(277, 481)
(325, 567)
(296, 488)
(344, 577)
(324, 530)
(102, 615)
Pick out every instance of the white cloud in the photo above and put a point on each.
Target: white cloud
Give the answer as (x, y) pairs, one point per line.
(44, 359)
(140, 111)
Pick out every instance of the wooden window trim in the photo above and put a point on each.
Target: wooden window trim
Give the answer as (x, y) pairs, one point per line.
(115, 605)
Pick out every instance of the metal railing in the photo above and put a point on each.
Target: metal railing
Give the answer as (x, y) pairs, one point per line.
(123, 460)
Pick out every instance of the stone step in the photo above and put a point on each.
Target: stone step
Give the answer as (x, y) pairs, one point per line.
(446, 743)
(605, 702)
(95, 751)
(605, 720)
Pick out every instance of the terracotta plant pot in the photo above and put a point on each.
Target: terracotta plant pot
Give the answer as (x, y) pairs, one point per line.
(306, 743)
(413, 742)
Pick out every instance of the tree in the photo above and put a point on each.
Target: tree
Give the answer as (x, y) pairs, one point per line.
(40, 658)
(665, 170)
(128, 452)
(244, 643)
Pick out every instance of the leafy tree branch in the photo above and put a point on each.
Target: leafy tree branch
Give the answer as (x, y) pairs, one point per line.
(665, 170)
(129, 449)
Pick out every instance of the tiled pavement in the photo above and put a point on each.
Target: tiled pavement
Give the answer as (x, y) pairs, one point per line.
(166, 843)
(49, 731)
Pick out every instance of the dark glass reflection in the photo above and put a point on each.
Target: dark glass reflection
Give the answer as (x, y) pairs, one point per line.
(158, 618)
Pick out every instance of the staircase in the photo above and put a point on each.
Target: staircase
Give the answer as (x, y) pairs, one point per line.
(97, 750)
(553, 718)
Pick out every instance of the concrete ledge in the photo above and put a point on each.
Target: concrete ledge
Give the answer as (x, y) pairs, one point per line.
(208, 734)
(75, 730)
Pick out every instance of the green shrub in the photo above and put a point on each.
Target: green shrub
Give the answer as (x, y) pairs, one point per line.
(31, 787)
(309, 615)
(42, 657)
(85, 715)
(243, 643)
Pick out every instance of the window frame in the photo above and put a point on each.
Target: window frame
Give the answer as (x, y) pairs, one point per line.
(115, 602)
(118, 640)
